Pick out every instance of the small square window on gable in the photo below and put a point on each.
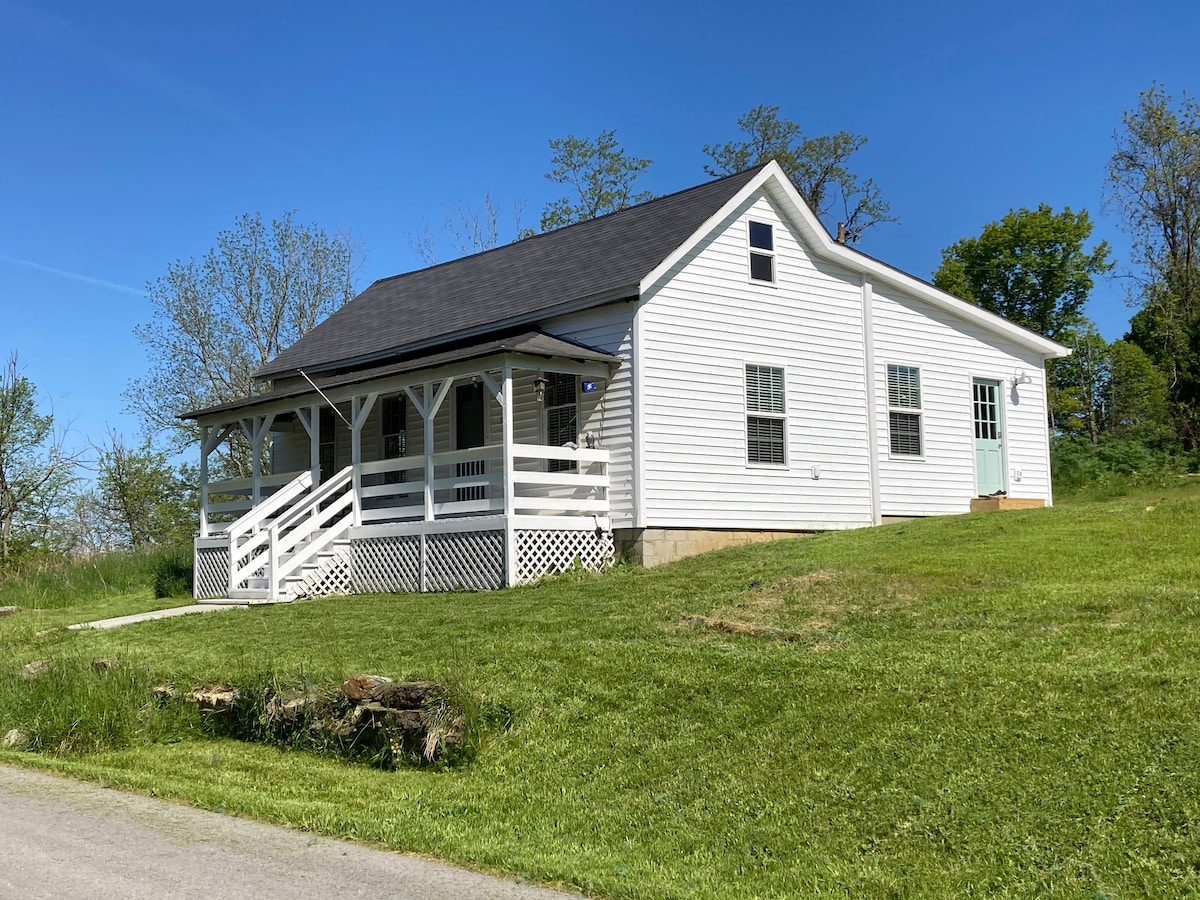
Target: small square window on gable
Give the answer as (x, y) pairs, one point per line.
(762, 252)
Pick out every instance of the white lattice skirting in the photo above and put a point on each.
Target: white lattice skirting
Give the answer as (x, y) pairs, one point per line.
(451, 561)
(471, 560)
(546, 552)
(387, 564)
(332, 576)
(211, 579)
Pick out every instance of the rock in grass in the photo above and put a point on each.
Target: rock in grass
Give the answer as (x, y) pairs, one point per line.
(406, 694)
(9, 610)
(164, 692)
(15, 739)
(364, 687)
(35, 669)
(215, 698)
(105, 664)
(376, 715)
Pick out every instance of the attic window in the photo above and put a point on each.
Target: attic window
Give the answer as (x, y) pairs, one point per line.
(762, 252)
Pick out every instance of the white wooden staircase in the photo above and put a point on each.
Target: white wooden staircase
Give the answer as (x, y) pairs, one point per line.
(296, 543)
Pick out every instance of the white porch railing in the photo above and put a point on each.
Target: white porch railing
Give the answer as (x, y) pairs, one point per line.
(288, 530)
(582, 491)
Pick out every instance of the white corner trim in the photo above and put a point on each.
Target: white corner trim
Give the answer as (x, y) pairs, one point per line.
(868, 314)
(638, 364)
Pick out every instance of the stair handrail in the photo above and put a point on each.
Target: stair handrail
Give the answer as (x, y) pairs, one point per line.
(302, 519)
(313, 547)
(269, 507)
(252, 521)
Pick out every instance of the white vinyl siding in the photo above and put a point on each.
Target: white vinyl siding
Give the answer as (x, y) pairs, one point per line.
(606, 412)
(904, 410)
(950, 352)
(700, 327)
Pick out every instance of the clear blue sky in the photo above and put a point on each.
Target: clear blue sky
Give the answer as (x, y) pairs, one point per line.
(132, 132)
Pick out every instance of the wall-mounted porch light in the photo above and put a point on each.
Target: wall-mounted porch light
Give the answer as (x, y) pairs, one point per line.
(1019, 377)
(539, 387)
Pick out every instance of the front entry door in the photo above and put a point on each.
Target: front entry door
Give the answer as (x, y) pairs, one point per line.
(989, 438)
(469, 411)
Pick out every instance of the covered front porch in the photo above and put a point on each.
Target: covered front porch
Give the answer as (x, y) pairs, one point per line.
(478, 468)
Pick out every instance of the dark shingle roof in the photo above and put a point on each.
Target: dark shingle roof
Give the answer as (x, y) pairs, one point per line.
(531, 343)
(507, 284)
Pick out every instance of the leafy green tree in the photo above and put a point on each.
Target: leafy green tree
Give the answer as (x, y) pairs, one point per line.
(817, 166)
(217, 320)
(1077, 383)
(602, 177)
(144, 498)
(1136, 395)
(35, 470)
(1030, 267)
(1154, 183)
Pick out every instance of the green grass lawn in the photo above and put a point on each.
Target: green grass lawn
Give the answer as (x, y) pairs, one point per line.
(1003, 704)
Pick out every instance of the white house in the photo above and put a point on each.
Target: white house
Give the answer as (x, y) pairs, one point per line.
(703, 369)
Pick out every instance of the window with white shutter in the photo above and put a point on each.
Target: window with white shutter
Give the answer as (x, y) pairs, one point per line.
(904, 410)
(766, 419)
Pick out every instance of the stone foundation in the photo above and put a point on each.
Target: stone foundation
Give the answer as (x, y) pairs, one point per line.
(655, 546)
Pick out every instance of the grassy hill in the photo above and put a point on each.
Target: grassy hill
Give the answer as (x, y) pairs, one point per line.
(999, 704)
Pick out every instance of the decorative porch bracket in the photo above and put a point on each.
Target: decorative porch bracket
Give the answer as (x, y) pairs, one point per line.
(427, 405)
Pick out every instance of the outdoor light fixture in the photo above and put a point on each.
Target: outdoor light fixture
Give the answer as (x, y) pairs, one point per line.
(1019, 377)
(539, 387)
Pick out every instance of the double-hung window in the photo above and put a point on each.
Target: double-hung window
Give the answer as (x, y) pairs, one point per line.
(766, 416)
(562, 417)
(904, 410)
(762, 252)
(393, 415)
(327, 440)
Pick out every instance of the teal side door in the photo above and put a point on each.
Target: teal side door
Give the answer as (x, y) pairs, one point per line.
(989, 443)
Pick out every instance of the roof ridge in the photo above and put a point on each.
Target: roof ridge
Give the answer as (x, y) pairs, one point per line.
(544, 234)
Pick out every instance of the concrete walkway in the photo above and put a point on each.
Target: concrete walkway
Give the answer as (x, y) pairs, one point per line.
(118, 621)
(68, 839)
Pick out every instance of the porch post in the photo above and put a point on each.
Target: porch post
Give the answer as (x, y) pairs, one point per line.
(257, 432)
(427, 414)
(205, 432)
(360, 408)
(510, 532)
(209, 439)
(428, 405)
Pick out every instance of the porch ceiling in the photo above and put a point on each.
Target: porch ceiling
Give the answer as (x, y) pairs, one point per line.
(530, 343)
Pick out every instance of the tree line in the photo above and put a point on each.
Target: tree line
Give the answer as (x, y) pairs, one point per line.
(215, 320)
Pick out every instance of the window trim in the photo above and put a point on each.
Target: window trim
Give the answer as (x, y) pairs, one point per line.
(748, 414)
(752, 251)
(918, 411)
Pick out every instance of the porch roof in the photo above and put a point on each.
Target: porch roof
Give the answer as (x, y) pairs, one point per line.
(531, 343)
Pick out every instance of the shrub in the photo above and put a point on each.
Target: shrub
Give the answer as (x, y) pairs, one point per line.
(172, 571)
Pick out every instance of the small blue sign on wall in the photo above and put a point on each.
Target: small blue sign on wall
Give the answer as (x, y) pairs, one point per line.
(589, 387)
